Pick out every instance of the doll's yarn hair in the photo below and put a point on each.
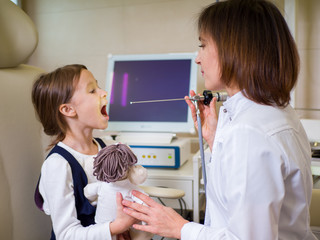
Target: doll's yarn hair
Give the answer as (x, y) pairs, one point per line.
(113, 162)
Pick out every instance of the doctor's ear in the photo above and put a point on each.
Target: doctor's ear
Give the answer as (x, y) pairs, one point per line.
(67, 110)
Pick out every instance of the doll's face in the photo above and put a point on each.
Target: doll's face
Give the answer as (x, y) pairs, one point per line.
(137, 174)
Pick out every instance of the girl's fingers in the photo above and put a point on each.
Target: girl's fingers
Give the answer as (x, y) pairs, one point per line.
(119, 200)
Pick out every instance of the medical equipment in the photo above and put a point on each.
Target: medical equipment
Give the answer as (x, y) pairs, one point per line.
(206, 98)
(150, 76)
(222, 97)
(171, 155)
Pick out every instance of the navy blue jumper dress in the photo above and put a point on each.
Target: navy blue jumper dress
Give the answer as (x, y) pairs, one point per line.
(85, 211)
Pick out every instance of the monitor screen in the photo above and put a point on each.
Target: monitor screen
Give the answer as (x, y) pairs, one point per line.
(132, 78)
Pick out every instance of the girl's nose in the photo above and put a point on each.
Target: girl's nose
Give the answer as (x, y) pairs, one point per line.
(104, 94)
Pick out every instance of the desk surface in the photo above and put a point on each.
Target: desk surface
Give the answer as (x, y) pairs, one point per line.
(184, 172)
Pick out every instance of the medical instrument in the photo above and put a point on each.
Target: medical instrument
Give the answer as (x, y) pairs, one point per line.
(221, 96)
(203, 163)
(206, 98)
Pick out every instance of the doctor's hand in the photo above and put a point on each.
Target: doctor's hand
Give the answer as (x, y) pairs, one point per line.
(122, 222)
(160, 220)
(208, 116)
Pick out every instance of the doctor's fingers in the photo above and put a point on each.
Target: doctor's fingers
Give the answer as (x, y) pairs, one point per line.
(134, 211)
(163, 221)
(213, 108)
(153, 216)
(144, 198)
(190, 103)
(146, 228)
(192, 109)
(141, 211)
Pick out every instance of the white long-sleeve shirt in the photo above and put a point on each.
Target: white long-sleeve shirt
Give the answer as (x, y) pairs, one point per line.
(259, 177)
(56, 188)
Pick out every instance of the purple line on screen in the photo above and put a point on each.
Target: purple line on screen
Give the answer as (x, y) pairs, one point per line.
(124, 89)
(112, 90)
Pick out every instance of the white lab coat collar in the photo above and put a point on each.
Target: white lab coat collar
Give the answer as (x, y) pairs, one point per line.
(237, 103)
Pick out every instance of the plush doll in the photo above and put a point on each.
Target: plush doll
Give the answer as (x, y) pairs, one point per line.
(115, 169)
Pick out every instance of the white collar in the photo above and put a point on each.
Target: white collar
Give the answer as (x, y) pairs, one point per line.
(236, 104)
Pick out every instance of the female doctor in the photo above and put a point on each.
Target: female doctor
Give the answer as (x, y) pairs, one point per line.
(259, 177)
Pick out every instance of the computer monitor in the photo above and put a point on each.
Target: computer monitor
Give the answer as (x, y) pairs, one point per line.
(150, 77)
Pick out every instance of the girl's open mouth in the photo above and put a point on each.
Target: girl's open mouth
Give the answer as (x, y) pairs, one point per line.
(104, 111)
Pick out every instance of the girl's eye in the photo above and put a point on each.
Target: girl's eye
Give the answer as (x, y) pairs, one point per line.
(93, 91)
(201, 46)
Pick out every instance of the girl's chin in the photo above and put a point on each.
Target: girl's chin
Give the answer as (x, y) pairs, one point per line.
(104, 125)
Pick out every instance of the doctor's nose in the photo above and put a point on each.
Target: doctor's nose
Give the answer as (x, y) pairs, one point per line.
(197, 60)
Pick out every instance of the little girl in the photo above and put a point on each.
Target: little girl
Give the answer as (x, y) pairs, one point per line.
(70, 105)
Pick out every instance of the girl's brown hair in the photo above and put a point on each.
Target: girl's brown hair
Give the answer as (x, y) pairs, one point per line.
(256, 50)
(51, 90)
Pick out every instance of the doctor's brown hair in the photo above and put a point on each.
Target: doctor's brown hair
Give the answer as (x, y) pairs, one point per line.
(256, 50)
(51, 90)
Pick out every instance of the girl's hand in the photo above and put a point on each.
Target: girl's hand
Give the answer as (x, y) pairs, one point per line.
(123, 221)
(161, 220)
(208, 116)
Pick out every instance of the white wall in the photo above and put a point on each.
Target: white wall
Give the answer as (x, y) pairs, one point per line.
(87, 31)
(82, 31)
(308, 42)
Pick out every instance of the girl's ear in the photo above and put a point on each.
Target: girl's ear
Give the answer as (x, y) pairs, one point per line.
(67, 110)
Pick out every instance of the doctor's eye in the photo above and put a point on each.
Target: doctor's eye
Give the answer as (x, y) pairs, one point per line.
(201, 45)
